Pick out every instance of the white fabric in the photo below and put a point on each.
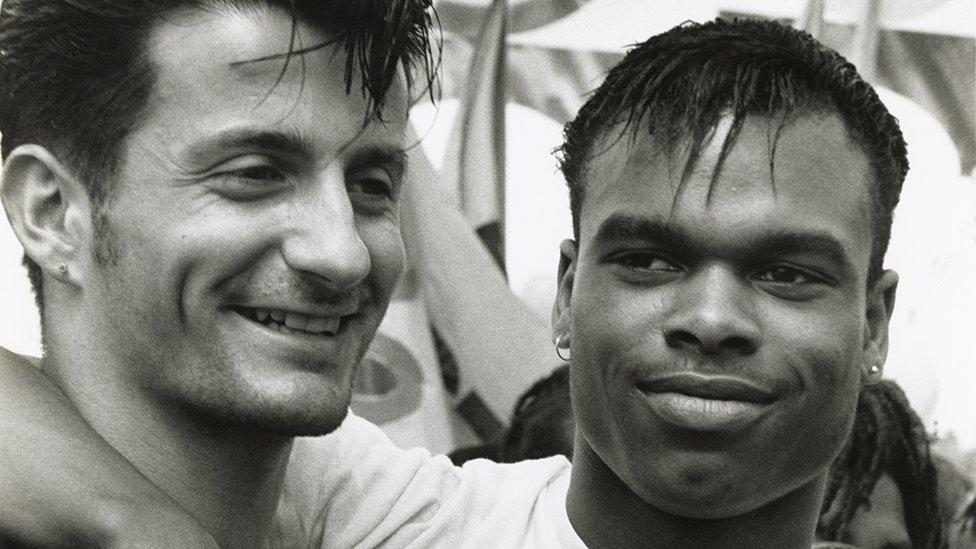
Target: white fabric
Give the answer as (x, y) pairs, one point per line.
(354, 488)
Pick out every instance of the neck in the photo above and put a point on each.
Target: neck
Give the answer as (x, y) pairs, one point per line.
(606, 513)
(227, 477)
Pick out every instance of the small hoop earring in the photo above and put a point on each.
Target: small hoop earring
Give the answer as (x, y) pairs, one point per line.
(559, 340)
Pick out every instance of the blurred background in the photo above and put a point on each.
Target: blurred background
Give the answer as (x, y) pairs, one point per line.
(453, 356)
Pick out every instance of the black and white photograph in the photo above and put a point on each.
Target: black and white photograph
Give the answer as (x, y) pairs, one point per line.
(537, 274)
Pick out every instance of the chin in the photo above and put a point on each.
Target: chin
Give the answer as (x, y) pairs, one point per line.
(287, 420)
(314, 410)
(699, 493)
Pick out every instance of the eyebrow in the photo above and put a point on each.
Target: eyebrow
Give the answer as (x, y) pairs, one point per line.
(631, 227)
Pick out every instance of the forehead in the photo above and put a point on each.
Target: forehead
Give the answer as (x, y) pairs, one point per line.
(224, 67)
(807, 176)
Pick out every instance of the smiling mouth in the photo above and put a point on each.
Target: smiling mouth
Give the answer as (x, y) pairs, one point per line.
(292, 323)
(705, 403)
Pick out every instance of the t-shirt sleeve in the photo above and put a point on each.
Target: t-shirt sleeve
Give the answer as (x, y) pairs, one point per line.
(355, 488)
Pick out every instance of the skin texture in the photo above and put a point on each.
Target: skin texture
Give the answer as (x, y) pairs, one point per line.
(234, 192)
(759, 281)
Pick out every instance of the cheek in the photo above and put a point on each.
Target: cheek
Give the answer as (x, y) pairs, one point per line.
(820, 355)
(618, 326)
(613, 331)
(384, 242)
(821, 341)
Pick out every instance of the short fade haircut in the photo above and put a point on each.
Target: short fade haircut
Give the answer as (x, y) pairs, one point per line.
(76, 76)
(682, 82)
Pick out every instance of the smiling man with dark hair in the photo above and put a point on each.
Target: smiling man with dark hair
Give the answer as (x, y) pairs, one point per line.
(207, 196)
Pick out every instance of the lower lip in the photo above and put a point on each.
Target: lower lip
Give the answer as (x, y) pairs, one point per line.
(703, 414)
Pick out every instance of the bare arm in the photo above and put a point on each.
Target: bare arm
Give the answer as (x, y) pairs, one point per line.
(500, 343)
(62, 485)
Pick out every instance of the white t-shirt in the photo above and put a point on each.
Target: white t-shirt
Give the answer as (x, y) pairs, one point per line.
(355, 488)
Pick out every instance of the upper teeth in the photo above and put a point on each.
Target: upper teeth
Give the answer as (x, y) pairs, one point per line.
(300, 322)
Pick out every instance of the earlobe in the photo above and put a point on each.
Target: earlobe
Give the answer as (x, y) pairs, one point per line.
(879, 307)
(872, 364)
(48, 210)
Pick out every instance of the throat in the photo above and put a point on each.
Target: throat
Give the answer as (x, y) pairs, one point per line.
(605, 512)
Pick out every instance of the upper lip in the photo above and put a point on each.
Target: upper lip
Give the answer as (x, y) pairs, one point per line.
(719, 387)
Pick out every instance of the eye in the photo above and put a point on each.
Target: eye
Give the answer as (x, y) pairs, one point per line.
(248, 177)
(372, 190)
(782, 274)
(644, 267)
(792, 283)
(261, 172)
(646, 261)
(373, 186)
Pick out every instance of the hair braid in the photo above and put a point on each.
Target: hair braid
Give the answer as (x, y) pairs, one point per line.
(887, 438)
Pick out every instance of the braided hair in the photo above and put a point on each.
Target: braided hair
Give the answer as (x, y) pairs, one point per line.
(888, 437)
(542, 423)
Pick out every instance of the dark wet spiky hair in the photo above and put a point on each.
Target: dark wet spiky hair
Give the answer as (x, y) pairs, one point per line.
(76, 78)
(888, 437)
(680, 84)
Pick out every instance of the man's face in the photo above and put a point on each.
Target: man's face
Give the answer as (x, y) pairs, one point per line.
(253, 235)
(719, 332)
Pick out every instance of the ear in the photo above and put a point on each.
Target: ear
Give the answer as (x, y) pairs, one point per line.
(880, 304)
(48, 210)
(562, 320)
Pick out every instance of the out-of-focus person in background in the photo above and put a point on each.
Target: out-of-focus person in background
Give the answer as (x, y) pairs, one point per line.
(542, 424)
(883, 490)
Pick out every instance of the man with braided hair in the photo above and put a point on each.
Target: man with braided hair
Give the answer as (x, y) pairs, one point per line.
(723, 299)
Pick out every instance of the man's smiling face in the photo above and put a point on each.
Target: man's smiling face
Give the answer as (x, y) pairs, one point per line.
(720, 330)
(251, 242)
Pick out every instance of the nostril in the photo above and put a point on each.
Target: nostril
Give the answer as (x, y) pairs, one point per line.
(680, 339)
(739, 345)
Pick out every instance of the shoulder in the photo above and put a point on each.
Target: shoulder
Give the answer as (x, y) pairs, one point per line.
(358, 487)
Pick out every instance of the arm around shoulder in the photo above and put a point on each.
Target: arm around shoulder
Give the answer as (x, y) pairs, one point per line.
(62, 485)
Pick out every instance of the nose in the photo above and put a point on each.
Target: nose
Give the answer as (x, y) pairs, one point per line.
(323, 238)
(714, 316)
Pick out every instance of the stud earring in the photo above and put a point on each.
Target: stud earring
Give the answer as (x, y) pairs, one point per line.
(874, 369)
(559, 340)
(63, 269)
